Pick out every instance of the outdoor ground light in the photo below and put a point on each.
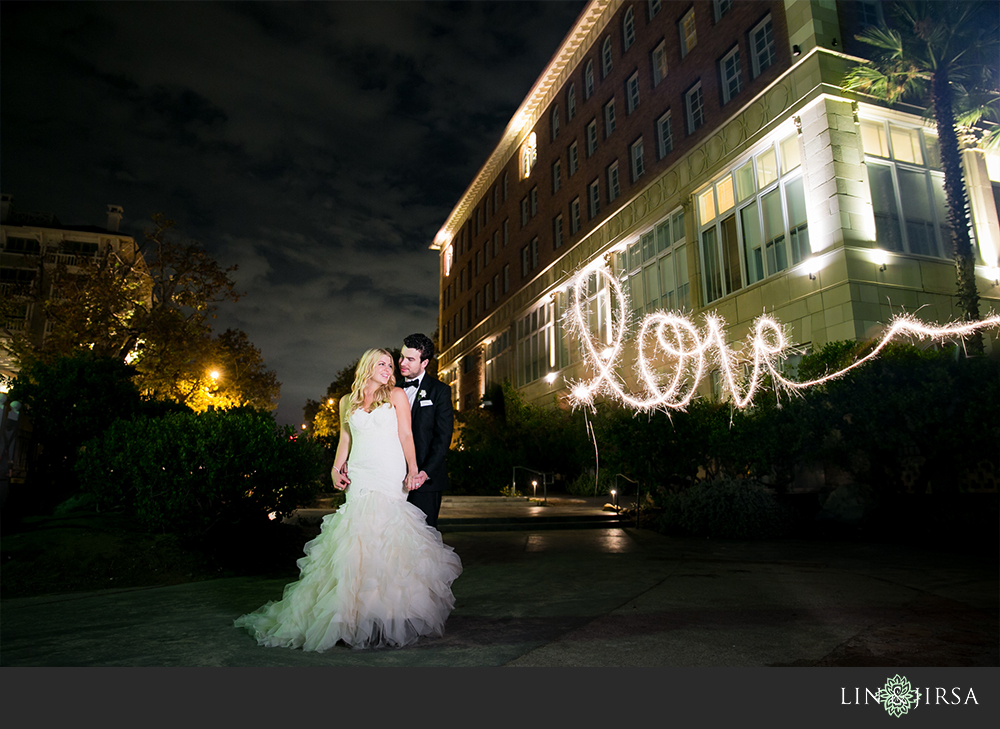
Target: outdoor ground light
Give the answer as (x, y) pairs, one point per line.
(534, 488)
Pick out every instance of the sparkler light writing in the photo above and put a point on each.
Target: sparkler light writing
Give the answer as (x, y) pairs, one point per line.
(695, 353)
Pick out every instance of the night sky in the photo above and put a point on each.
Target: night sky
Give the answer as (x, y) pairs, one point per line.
(319, 146)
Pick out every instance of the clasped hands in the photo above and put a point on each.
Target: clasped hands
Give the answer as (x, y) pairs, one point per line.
(412, 482)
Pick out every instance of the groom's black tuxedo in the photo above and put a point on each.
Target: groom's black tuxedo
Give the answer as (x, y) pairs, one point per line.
(432, 422)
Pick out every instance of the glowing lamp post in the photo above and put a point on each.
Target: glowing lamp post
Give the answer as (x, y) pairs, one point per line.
(614, 499)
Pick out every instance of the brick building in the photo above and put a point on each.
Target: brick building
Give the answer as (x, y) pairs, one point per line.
(707, 152)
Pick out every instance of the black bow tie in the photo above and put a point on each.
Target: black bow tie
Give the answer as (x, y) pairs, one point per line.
(411, 383)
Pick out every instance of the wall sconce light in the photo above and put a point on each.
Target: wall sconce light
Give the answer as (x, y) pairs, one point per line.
(796, 51)
(812, 275)
(550, 378)
(812, 267)
(879, 258)
(834, 43)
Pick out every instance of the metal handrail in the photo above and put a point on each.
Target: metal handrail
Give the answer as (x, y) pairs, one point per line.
(638, 490)
(543, 474)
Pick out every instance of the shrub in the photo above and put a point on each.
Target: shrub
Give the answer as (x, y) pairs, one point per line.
(185, 473)
(726, 508)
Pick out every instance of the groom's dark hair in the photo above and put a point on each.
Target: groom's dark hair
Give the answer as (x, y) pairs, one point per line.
(421, 342)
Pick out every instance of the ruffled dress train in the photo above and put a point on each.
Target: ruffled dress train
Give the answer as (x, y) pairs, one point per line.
(377, 575)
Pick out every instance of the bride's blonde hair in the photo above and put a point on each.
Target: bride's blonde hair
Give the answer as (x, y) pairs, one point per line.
(366, 368)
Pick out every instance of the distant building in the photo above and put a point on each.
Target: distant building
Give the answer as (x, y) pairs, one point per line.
(707, 152)
(34, 247)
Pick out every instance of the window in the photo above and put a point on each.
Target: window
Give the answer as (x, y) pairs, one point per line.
(525, 260)
(506, 278)
(628, 29)
(487, 290)
(632, 92)
(870, 12)
(609, 119)
(659, 62)
(638, 164)
(534, 201)
(479, 303)
(570, 102)
(721, 8)
(505, 187)
(496, 198)
(655, 268)
(496, 288)
(606, 58)
(654, 8)
(524, 212)
(486, 252)
(554, 120)
(729, 70)
(591, 137)
(535, 350)
(574, 159)
(574, 215)
(479, 262)
(614, 189)
(506, 232)
(496, 243)
(594, 199)
(557, 231)
(534, 253)
(762, 48)
(695, 108)
(752, 221)
(588, 80)
(689, 37)
(556, 176)
(664, 136)
(907, 191)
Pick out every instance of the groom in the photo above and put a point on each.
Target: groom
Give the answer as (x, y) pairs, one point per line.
(432, 417)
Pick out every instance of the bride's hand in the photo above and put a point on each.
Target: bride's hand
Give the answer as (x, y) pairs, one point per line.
(411, 481)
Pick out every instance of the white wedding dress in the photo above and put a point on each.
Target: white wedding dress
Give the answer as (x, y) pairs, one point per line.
(377, 575)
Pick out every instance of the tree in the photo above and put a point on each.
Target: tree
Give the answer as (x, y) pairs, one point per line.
(151, 306)
(943, 56)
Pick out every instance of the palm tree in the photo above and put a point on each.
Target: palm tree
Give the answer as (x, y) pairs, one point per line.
(941, 55)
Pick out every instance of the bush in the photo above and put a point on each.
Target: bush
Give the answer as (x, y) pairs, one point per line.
(726, 508)
(186, 473)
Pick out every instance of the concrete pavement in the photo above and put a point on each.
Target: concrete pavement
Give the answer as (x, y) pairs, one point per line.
(538, 596)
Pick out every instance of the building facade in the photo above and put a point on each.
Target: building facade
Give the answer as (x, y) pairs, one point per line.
(707, 154)
(35, 249)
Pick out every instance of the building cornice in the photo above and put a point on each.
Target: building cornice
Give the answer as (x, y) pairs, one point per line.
(580, 39)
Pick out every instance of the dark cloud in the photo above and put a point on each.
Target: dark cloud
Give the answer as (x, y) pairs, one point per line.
(319, 146)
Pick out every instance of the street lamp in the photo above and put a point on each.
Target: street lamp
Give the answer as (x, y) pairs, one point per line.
(534, 489)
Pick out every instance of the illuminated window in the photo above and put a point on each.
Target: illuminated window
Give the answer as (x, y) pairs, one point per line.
(689, 36)
(529, 155)
(762, 46)
(729, 70)
(628, 29)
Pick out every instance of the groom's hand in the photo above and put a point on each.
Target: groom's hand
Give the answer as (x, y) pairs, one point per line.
(421, 479)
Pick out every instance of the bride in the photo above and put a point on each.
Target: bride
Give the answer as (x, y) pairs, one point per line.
(377, 575)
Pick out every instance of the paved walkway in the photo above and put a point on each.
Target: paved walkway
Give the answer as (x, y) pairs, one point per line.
(576, 597)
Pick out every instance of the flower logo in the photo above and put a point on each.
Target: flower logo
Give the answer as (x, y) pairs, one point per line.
(897, 696)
